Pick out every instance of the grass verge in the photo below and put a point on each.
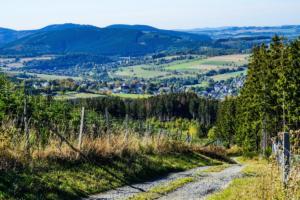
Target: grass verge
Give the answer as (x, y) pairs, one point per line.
(162, 190)
(261, 180)
(63, 179)
(217, 168)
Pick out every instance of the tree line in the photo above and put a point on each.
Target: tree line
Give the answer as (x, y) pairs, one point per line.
(38, 119)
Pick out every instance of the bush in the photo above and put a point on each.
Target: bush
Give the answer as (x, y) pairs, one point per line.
(234, 151)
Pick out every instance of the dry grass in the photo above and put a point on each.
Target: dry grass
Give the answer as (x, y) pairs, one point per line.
(262, 180)
(107, 146)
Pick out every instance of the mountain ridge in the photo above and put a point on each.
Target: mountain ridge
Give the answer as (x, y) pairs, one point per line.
(124, 40)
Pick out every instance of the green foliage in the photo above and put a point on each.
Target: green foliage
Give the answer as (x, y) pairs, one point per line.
(212, 133)
(226, 123)
(271, 94)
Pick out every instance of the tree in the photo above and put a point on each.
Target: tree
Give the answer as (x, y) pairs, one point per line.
(226, 123)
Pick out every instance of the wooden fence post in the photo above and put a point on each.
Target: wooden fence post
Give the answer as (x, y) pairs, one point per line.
(286, 157)
(106, 119)
(81, 129)
(126, 127)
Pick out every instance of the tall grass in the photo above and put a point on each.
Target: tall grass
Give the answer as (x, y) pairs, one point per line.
(262, 179)
(120, 144)
(114, 145)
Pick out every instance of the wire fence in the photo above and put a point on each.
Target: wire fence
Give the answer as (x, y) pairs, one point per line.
(286, 149)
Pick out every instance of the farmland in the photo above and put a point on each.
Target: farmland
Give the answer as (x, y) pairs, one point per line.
(20, 62)
(140, 71)
(185, 68)
(131, 96)
(136, 77)
(75, 95)
(47, 77)
(226, 76)
(212, 63)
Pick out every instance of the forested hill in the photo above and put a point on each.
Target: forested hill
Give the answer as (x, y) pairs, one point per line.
(245, 38)
(114, 40)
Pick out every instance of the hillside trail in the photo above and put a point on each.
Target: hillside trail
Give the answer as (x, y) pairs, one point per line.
(205, 184)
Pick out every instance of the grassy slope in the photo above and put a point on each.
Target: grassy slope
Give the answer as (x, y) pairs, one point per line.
(226, 76)
(132, 96)
(212, 63)
(69, 180)
(75, 95)
(139, 72)
(187, 67)
(41, 76)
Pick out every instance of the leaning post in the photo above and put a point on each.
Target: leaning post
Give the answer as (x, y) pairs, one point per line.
(81, 130)
(286, 157)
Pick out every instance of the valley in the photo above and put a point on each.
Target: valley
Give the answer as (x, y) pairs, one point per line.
(141, 113)
(203, 61)
(193, 72)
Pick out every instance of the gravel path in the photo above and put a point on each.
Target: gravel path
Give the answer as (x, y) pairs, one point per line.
(129, 191)
(205, 184)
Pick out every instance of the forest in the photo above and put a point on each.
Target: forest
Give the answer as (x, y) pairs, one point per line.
(269, 101)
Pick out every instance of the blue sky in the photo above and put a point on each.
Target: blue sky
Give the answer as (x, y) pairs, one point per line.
(169, 14)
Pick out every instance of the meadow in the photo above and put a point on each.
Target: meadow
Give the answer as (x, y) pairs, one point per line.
(131, 96)
(75, 95)
(139, 71)
(48, 77)
(227, 76)
(185, 68)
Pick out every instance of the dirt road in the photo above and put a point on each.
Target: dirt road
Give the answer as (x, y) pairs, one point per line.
(204, 184)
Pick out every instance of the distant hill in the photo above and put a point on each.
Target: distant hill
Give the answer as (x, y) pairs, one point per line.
(133, 27)
(136, 40)
(289, 31)
(57, 27)
(145, 28)
(122, 40)
(9, 35)
(242, 39)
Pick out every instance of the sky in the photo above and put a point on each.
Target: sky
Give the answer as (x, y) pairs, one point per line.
(167, 14)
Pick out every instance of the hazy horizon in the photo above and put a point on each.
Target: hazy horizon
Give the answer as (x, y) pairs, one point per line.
(213, 27)
(175, 14)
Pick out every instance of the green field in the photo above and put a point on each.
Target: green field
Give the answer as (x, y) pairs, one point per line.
(226, 76)
(185, 68)
(139, 71)
(75, 95)
(213, 63)
(203, 84)
(41, 76)
(132, 96)
(13, 63)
